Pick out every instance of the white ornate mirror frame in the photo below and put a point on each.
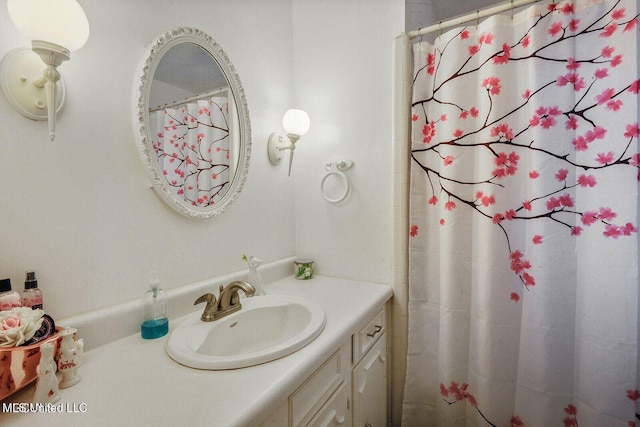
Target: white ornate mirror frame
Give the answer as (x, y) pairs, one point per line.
(142, 90)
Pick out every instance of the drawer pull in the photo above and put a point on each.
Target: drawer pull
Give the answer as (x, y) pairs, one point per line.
(373, 334)
(333, 418)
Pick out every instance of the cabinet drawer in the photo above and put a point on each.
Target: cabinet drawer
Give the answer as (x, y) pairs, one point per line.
(368, 335)
(337, 411)
(308, 399)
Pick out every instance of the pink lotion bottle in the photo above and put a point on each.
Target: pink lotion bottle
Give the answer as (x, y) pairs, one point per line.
(8, 297)
(31, 296)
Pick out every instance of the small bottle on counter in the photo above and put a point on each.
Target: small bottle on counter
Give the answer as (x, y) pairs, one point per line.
(31, 296)
(8, 297)
(156, 322)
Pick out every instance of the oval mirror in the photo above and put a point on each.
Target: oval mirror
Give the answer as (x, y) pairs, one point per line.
(192, 123)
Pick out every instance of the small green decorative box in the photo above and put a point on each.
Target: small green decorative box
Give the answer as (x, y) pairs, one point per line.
(304, 269)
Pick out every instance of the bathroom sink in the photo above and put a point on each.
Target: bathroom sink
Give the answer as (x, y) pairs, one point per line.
(266, 328)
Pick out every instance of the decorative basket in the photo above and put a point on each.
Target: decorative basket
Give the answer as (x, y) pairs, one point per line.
(18, 365)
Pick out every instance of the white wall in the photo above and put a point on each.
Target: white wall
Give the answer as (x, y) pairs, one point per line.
(343, 76)
(343, 67)
(79, 210)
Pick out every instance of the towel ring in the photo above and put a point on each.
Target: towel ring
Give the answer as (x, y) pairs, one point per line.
(336, 167)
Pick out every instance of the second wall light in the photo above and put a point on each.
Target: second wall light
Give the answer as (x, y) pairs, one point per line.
(295, 123)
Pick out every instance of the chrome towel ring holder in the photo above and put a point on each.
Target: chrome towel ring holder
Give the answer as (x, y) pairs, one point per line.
(336, 167)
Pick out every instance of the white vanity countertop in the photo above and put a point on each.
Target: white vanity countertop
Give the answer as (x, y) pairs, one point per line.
(133, 382)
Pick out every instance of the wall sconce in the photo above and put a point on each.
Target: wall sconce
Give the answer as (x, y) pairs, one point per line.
(55, 27)
(296, 123)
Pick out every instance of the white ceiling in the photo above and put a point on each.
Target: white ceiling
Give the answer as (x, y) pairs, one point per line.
(201, 73)
(445, 9)
(422, 13)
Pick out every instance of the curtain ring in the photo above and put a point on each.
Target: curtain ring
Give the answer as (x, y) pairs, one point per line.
(477, 18)
(336, 168)
(512, 10)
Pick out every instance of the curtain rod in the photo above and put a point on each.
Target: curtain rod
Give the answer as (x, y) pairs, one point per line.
(193, 98)
(480, 13)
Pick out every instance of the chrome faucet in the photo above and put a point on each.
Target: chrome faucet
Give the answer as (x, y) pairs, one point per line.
(228, 300)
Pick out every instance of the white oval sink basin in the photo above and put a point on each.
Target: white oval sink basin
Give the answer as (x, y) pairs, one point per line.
(266, 328)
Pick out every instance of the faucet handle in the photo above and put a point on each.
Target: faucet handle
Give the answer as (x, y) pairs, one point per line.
(208, 298)
(210, 310)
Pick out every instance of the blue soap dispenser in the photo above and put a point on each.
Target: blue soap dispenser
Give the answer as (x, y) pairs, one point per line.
(156, 322)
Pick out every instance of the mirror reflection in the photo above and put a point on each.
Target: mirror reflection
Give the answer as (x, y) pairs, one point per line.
(194, 123)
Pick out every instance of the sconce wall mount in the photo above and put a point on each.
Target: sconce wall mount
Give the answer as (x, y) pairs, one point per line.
(276, 147)
(22, 83)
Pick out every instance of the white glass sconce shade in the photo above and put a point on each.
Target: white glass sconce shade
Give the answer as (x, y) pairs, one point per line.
(62, 22)
(55, 27)
(296, 123)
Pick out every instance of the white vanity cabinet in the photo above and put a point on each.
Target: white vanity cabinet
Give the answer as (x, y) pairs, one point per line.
(349, 389)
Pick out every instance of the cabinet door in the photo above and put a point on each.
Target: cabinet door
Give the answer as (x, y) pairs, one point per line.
(370, 387)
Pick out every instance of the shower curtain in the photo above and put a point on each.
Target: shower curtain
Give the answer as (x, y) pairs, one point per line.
(191, 142)
(523, 247)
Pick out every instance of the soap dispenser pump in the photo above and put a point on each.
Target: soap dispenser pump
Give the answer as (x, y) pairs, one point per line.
(156, 322)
